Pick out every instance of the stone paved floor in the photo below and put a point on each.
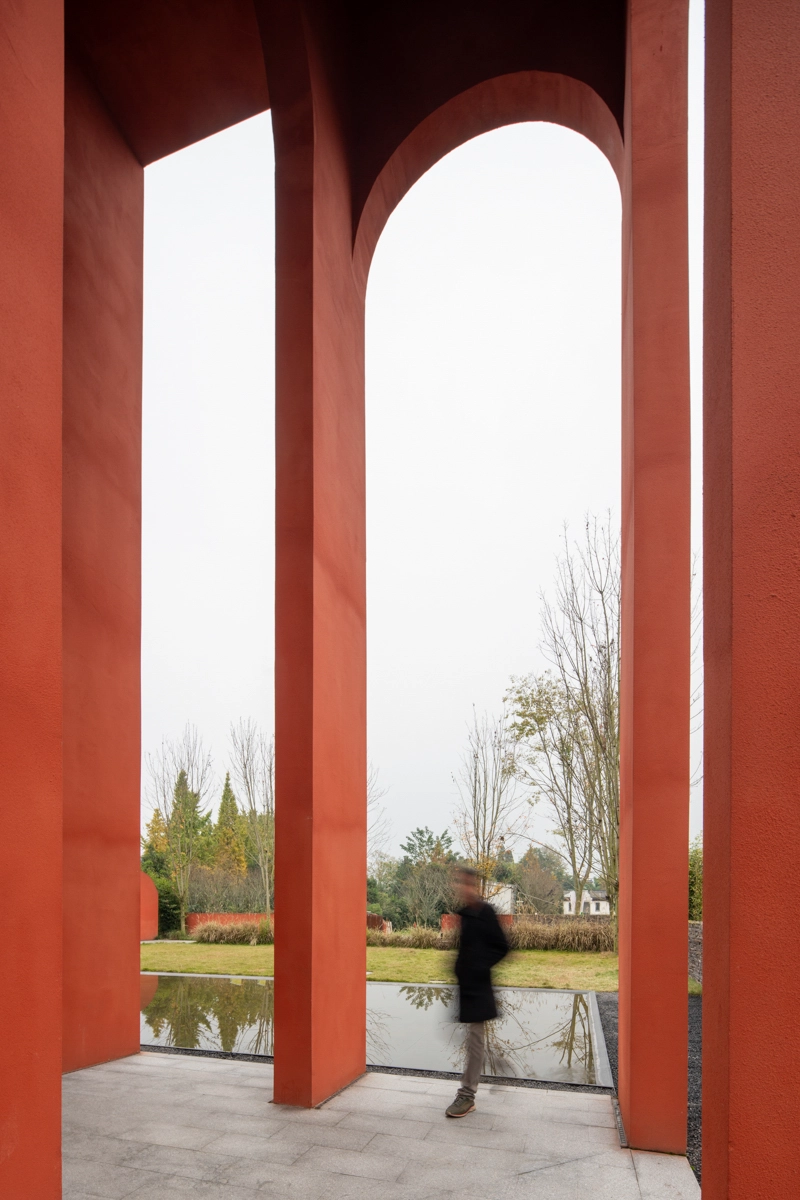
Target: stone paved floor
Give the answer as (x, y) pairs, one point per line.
(159, 1126)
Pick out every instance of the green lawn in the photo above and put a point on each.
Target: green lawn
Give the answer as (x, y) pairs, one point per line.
(522, 968)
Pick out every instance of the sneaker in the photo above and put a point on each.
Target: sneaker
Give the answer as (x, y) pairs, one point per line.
(460, 1107)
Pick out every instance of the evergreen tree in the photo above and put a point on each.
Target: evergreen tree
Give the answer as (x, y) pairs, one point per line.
(187, 836)
(229, 853)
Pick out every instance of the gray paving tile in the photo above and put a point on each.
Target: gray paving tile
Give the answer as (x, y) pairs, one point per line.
(394, 1083)
(327, 1115)
(248, 1103)
(554, 1137)
(165, 1187)
(103, 1179)
(242, 1145)
(461, 1133)
(456, 1175)
(595, 1175)
(414, 1149)
(225, 1121)
(158, 1133)
(312, 1134)
(95, 1147)
(664, 1176)
(167, 1126)
(174, 1160)
(375, 1123)
(576, 1116)
(353, 1162)
(434, 1113)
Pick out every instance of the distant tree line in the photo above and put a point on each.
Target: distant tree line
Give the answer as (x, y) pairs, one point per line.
(554, 745)
(203, 865)
(416, 888)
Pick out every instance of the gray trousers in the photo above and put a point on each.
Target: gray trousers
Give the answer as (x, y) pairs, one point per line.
(473, 1068)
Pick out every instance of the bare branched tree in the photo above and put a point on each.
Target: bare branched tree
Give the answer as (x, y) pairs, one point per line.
(551, 765)
(253, 769)
(379, 826)
(538, 890)
(572, 713)
(492, 811)
(180, 778)
(426, 887)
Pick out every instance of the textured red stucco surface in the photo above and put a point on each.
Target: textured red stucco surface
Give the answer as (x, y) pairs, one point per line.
(148, 908)
(361, 108)
(31, 204)
(751, 969)
(103, 229)
(654, 692)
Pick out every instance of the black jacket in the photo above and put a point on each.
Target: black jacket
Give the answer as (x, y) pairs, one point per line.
(482, 945)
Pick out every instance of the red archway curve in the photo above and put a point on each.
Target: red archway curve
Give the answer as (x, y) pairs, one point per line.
(504, 100)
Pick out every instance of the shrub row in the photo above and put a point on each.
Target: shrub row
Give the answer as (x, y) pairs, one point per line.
(420, 937)
(526, 934)
(240, 933)
(577, 934)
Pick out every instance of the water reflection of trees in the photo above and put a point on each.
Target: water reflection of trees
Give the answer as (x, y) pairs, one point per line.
(530, 1040)
(514, 1041)
(423, 997)
(213, 1014)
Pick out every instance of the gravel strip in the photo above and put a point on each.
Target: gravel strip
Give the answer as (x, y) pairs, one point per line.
(607, 1003)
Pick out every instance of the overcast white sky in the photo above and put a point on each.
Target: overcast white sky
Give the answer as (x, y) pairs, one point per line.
(493, 417)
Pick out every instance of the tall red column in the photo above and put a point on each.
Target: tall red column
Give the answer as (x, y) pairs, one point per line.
(751, 979)
(320, 660)
(103, 228)
(31, 206)
(653, 930)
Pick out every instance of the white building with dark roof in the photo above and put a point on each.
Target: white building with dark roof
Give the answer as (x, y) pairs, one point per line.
(593, 904)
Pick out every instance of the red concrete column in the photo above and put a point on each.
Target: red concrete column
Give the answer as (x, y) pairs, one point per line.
(31, 206)
(320, 661)
(751, 1044)
(653, 929)
(103, 227)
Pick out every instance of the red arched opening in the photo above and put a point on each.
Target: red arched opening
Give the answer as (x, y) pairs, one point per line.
(506, 100)
(324, 246)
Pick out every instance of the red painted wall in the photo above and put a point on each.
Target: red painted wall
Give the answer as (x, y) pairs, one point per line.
(31, 204)
(148, 908)
(654, 690)
(751, 968)
(103, 214)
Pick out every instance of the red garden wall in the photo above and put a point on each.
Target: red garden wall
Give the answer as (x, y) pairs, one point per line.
(148, 908)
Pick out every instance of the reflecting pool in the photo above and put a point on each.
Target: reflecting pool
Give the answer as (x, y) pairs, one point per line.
(540, 1034)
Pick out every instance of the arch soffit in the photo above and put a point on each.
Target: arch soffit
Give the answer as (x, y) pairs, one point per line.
(504, 100)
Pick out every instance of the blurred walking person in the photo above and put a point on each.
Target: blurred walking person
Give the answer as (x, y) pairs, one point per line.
(481, 946)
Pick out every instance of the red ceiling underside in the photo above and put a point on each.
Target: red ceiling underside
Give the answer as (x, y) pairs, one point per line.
(170, 71)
